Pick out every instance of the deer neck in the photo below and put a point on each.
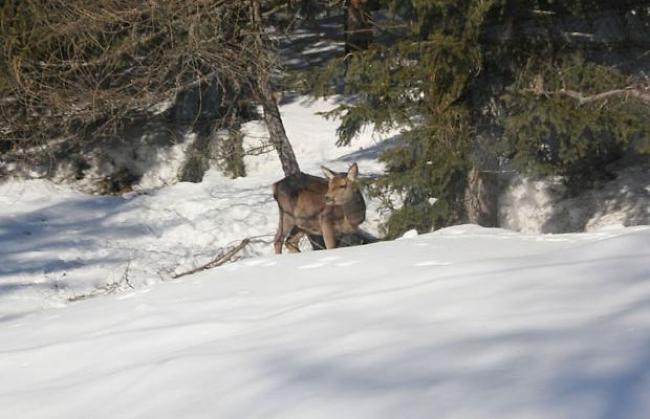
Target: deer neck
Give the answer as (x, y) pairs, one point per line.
(355, 210)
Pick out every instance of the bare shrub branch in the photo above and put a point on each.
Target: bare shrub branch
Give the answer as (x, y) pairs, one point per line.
(68, 64)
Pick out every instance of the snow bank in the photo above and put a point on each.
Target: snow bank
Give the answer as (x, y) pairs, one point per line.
(462, 323)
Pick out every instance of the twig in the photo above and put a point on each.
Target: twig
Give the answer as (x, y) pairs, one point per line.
(107, 289)
(125, 276)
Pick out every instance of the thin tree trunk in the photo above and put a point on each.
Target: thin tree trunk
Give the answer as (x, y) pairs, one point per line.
(357, 28)
(481, 197)
(277, 134)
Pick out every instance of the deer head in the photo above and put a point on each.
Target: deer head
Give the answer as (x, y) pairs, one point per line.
(341, 186)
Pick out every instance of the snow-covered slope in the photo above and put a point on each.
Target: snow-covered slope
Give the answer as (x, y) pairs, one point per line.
(57, 244)
(462, 323)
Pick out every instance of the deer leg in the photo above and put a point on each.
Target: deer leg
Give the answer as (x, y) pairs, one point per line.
(293, 239)
(328, 232)
(278, 241)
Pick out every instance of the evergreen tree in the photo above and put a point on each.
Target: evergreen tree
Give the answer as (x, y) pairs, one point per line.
(551, 87)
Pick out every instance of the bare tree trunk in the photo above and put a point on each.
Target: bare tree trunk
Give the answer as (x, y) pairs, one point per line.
(357, 28)
(274, 125)
(272, 118)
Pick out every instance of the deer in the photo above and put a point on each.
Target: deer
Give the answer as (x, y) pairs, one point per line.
(328, 207)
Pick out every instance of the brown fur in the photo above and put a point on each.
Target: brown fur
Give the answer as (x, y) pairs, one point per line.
(313, 205)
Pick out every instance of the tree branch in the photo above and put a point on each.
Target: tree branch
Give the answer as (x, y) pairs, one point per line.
(640, 93)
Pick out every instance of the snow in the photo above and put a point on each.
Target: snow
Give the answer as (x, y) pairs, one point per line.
(163, 164)
(57, 244)
(466, 322)
(541, 206)
(462, 323)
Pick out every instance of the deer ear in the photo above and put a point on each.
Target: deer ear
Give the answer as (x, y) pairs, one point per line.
(353, 172)
(327, 172)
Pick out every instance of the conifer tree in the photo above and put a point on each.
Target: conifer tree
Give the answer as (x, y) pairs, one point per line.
(550, 87)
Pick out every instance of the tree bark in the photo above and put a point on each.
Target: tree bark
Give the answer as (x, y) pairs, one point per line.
(481, 197)
(272, 118)
(357, 28)
(277, 134)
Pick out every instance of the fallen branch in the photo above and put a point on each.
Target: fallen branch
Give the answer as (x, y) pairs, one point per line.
(218, 261)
